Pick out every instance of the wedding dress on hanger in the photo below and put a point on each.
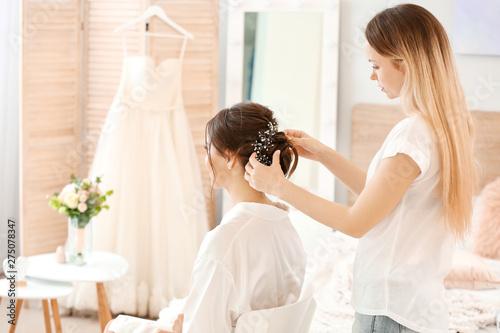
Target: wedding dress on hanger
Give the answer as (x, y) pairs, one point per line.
(157, 217)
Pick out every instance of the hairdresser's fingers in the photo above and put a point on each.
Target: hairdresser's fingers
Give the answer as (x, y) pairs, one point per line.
(292, 134)
(253, 160)
(300, 144)
(297, 141)
(249, 178)
(178, 323)
(276, 158)
(249, 171)
(249, 168)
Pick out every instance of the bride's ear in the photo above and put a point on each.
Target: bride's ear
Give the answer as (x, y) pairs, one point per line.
(231, 160)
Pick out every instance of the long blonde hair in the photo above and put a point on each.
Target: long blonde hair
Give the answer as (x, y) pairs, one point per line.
(415, 40)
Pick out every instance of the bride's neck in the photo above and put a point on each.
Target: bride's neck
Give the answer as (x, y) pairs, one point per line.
(240, 191)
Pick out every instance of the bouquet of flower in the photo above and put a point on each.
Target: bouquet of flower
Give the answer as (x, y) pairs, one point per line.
(81, 198)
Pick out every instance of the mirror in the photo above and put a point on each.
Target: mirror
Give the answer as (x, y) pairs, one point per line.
(282, 70)
(284, 55)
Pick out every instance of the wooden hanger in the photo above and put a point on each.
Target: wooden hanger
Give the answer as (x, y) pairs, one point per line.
(160, 13)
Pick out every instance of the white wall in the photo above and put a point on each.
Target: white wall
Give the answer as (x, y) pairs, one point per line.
(480, 75)
(9, 123)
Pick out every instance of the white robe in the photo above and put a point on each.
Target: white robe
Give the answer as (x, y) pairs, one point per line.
(253, 260)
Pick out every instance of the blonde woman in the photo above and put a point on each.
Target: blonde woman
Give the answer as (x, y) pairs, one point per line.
(415, 201)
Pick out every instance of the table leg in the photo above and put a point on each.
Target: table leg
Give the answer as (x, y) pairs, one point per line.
(104, 312)
(19, 304)
(46, 316)
(57, 317)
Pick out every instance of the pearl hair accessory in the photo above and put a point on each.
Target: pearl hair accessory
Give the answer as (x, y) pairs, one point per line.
(265, 142)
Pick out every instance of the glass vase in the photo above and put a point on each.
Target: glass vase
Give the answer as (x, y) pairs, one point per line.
(79, 242)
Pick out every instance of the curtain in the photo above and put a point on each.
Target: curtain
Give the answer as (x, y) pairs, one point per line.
(10, 54)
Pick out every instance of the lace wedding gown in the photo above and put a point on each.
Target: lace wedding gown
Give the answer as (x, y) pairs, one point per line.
(157, 216)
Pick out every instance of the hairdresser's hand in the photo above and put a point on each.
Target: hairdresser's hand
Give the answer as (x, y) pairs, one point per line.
(267, 179)
(176, 327)
(306, 145)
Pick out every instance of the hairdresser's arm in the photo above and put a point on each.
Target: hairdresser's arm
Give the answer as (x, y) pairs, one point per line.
(380, 196)
(349, 174)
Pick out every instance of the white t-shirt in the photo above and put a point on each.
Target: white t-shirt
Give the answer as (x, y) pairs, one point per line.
(253, 260)
(401, 263)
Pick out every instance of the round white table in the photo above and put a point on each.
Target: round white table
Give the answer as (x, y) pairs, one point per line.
(37, 290)
(104, 266)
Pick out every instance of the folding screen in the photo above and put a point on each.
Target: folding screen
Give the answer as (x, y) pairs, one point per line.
(50, 116)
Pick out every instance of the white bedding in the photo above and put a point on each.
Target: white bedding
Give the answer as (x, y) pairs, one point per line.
(331, 272)
(488, 299)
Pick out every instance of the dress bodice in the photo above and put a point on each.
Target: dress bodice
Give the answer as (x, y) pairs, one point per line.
(149, 86)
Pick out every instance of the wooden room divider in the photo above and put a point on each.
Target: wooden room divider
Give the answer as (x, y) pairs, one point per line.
(50, 116)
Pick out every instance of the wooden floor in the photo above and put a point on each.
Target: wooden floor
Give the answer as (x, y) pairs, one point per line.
(31, 320)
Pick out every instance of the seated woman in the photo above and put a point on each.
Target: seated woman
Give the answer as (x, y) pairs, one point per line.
(254, 259)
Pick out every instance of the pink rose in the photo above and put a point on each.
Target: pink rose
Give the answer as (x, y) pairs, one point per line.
(93, 189)
(82, 207)
(83, 198)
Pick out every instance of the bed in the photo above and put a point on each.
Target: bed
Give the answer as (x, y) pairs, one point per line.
(331, 257)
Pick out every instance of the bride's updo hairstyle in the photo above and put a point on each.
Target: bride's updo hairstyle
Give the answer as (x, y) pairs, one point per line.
(246, 128)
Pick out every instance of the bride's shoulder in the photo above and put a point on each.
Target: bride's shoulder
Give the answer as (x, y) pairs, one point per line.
(218, 241)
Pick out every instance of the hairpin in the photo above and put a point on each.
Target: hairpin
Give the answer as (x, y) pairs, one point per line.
(264, 143)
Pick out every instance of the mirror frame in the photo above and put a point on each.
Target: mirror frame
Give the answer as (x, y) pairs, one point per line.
(329, 66)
